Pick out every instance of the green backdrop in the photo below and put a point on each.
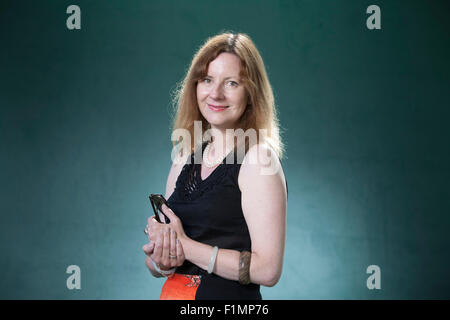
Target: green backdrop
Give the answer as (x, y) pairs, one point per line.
(84, 138)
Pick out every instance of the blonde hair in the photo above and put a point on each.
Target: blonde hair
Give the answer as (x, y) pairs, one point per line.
(260, 112)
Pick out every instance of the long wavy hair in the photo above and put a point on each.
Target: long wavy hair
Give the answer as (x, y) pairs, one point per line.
(260, 113)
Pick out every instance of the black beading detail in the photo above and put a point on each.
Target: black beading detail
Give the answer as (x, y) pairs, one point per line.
(190, 184)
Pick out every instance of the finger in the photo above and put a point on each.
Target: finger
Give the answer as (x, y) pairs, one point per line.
(166, 248)
(169, 213)
(152, 237)
(149, 226)
(173, 248)
(180, 253)
(148, 248)
(153, 228)
(151, 222)
(148, 233)
(157, 251)
(163, 218)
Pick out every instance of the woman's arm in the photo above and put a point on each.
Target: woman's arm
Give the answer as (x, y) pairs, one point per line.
(264, 201)
(264, 206)
(174, 172)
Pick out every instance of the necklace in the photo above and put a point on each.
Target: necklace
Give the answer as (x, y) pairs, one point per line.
(206, 158)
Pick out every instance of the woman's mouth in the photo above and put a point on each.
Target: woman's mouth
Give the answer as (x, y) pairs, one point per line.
(217, 108)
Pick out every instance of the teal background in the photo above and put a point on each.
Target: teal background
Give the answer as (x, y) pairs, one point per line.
(84, 138)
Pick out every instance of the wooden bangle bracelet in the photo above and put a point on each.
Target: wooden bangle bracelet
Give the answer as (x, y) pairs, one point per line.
(244, 267)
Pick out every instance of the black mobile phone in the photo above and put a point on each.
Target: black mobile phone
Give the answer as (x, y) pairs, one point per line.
(157, 200)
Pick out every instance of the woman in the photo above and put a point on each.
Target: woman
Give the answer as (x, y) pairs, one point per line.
(227, 225)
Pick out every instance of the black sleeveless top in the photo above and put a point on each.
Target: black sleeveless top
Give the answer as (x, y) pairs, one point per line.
(211, 213)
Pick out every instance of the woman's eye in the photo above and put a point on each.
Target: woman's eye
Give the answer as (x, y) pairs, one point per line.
(229, 83)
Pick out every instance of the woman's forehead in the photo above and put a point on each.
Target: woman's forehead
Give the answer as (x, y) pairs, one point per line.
(226, 64)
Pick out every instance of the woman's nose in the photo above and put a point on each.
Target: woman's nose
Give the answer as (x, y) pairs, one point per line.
(216, 92)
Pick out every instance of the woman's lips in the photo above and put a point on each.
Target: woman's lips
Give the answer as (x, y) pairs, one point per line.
(217, 108)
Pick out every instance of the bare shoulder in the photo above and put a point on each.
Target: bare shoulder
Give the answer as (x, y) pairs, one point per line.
(261, 165)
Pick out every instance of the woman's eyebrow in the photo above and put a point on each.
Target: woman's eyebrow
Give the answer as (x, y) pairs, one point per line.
(235, 77)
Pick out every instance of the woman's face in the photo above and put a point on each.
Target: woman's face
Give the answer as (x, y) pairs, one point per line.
(221, 96)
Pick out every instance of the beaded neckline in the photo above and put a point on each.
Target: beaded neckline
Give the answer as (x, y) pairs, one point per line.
(191, 184)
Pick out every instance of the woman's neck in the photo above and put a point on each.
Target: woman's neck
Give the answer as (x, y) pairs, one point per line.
(221, 143)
